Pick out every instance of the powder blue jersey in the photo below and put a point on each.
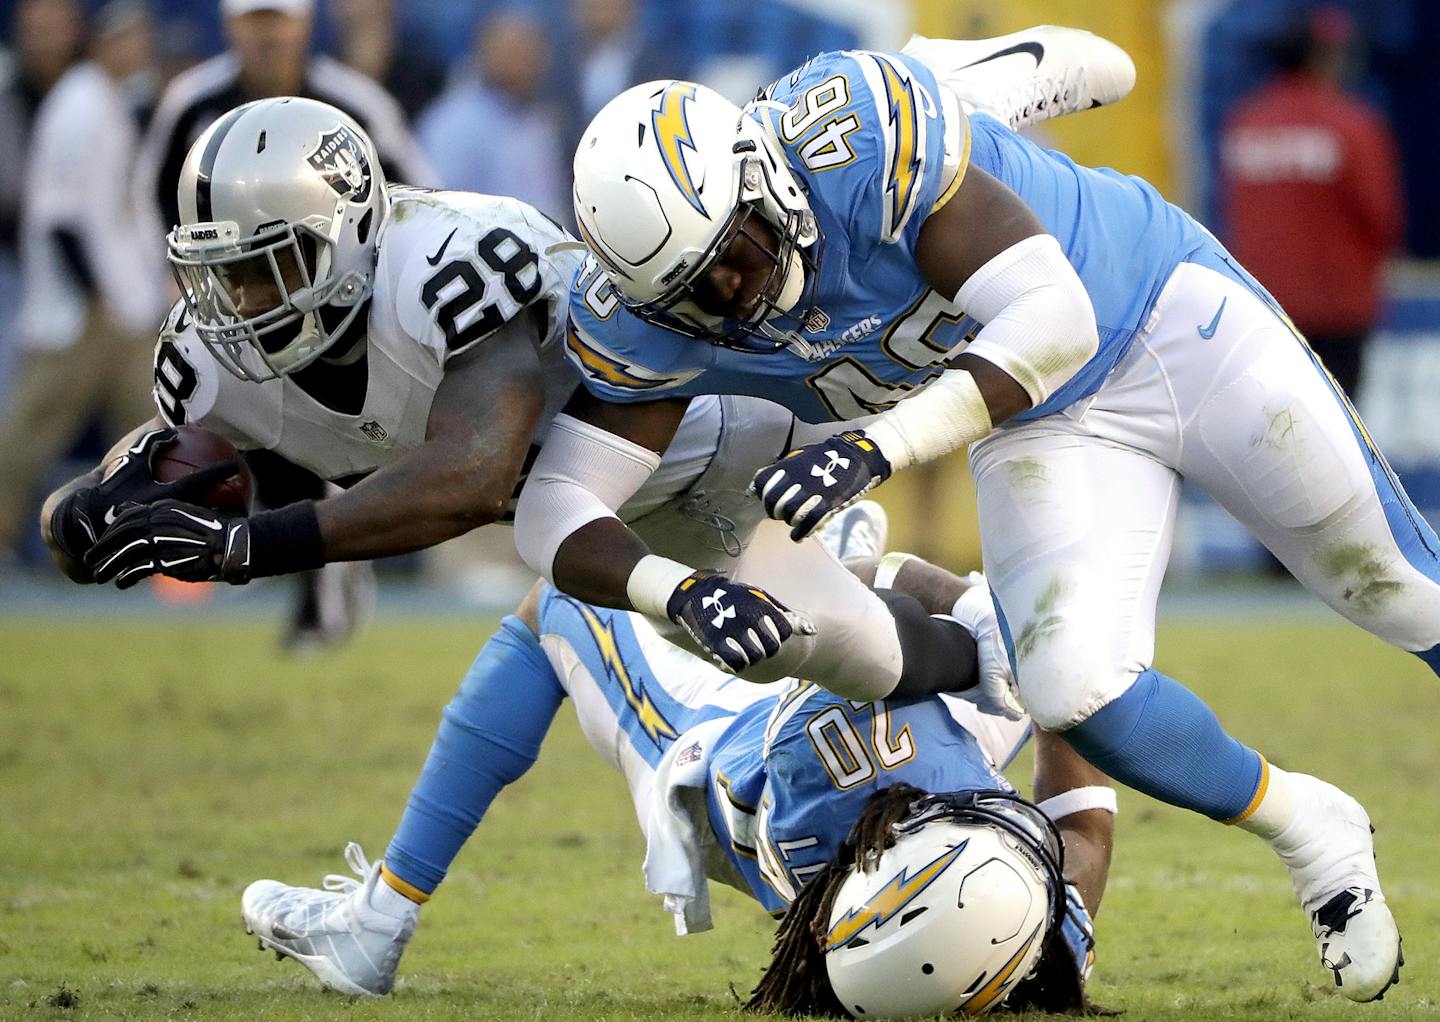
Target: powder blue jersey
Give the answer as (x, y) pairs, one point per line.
(865, 133)
(788, 774)
(791, 774)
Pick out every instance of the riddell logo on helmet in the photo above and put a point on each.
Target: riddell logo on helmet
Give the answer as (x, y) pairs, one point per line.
(674, 272)
(340, 159)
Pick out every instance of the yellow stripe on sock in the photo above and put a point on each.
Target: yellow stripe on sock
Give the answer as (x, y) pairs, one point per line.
(1258, 798)
(404, 887)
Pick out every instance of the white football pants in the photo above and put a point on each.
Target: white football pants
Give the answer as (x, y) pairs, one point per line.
(1077, 510)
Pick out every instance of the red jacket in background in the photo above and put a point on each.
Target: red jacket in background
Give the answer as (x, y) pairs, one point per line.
(1312, 197)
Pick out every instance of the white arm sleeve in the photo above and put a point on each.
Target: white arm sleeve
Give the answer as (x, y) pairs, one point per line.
(582, 473)
(1039, 322)
(1039, 329)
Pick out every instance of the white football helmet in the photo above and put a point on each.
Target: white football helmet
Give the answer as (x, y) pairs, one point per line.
(953, 914)
(665, 176)
(281, 203)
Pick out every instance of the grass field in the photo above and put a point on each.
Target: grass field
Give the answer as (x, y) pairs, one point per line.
(148, 771)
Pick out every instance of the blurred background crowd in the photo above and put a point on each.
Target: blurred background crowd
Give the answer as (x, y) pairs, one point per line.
(1300, 131)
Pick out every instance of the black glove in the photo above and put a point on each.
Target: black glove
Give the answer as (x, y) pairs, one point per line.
(184, 541)
(80, 519)
(807, 486)
(737, 624)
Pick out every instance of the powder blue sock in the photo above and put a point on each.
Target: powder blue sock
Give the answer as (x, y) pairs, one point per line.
(1160, 739)
(489, 737)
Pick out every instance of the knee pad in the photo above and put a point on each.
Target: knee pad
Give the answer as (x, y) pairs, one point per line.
(1065, 671)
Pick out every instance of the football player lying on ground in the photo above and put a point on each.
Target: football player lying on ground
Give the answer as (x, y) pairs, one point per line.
(872, 244)
(873, 819)
(407, 345)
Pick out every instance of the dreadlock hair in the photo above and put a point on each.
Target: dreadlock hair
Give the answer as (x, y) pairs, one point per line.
(795, 982)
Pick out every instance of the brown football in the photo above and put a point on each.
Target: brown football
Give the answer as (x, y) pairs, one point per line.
(196, 448)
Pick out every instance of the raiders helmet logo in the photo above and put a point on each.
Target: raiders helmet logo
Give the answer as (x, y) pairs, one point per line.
(341, 161)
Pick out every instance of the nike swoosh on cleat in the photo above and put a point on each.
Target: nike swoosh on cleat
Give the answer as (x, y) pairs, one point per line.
(1035, 50)
(1207, 332)
(435, 259)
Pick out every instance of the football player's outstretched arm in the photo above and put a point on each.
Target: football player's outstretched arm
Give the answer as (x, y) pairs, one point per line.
(484, 414)
(481, 420)
(595, 457)
(565, 527)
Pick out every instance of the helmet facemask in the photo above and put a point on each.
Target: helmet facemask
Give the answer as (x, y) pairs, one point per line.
(787, 287)
(261, 294)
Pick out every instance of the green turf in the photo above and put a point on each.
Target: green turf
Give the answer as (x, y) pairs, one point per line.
(149, 771)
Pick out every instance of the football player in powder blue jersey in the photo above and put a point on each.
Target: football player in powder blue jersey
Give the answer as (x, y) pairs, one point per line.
(867, 245)
(776, 790)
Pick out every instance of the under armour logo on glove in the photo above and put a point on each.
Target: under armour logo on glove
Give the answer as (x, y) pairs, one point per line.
(716, 604)
(807, 487)
(184, 541)
(738, 625)
(826, 473)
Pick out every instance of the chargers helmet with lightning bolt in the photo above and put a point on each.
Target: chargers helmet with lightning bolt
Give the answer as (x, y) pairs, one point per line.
(666, 175)
(952, 915)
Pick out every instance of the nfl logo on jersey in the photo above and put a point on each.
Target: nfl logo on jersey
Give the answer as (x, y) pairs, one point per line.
(374, 431)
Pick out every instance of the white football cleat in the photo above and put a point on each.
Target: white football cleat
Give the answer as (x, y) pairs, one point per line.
(336, 933)
(1027, 77)
(860, 530)
(1330, 853)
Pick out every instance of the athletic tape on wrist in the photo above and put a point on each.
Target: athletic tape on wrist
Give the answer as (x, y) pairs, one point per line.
(1078, 800)
(889, 567)
(653, 581)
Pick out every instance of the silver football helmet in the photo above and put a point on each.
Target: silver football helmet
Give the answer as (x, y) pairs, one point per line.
(953, 914)
(666, 175)
(281, 203)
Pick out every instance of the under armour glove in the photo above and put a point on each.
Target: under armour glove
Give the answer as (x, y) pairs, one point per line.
(185, 541)
(80, 519)
(738, 625)
(807, 486)
(996, 692)
(1058, 983)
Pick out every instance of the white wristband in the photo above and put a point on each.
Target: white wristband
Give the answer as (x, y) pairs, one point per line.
(889, 567)
(946, 416)
(653, 581)
(1078, 800)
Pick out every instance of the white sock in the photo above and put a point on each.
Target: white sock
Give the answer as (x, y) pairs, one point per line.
(388, 901)
(1276, 808)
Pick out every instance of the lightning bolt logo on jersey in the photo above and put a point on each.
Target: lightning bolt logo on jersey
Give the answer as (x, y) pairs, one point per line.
(866, 135)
